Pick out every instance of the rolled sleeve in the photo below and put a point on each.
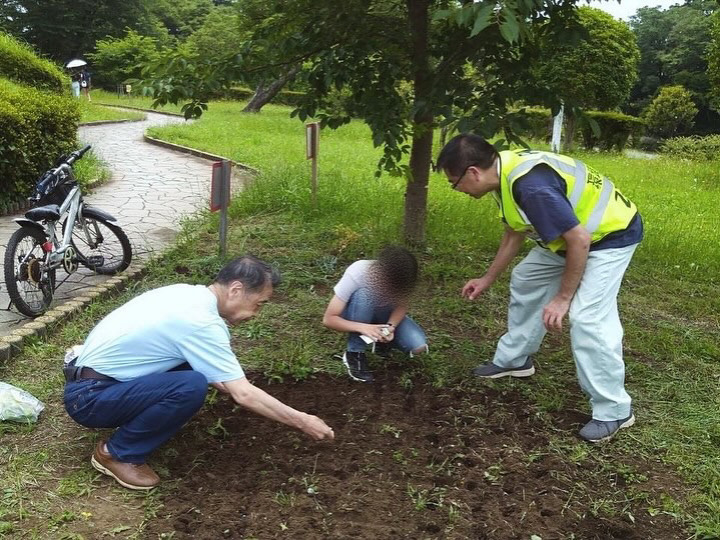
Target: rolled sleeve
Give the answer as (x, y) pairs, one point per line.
(208, 351)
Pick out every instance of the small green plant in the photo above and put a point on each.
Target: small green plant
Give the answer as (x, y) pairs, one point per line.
(310, 484)
(212, 397)
(284, 499)
(256, 329)
(64, 517)
(399, 457)
(454, 513)
(493, 474)
(78, 484)
(296, 361)
(392, 430)
(71, 536)
(218, 430)
(426, 499)
(630, 475)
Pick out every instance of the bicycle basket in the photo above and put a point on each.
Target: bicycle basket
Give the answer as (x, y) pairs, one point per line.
(57, 195)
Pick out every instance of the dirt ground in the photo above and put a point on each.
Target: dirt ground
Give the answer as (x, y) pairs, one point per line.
(407, 463)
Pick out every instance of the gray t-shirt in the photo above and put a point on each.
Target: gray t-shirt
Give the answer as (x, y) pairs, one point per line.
(355, 276)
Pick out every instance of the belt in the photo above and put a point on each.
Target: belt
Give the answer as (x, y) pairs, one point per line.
(75, 373)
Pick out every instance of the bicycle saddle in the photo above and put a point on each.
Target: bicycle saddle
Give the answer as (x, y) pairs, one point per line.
(50, 212)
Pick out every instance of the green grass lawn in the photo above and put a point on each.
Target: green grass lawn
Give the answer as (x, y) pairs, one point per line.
(91, 170)
(677, 199)
(92, 112)
(110, 98)
(670, 304)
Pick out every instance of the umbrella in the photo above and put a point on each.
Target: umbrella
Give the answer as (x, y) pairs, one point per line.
(76, 63)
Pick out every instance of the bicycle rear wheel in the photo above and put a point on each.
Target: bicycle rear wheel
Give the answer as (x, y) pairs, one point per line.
(30, 284)
(103, 247)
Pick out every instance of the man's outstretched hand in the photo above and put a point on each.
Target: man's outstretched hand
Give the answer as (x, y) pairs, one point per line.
(475, 287)
(317, 428)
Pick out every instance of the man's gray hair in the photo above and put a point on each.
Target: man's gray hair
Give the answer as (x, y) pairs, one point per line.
(253, 273)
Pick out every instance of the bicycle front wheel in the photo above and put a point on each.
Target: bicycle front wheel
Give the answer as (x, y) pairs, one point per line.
(30, 284)
(101, 246)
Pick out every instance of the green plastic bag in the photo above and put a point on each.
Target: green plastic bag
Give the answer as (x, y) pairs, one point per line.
(17, 405)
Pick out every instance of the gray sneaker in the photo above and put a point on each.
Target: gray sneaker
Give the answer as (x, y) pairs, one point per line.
(599, 431)
(491, 371)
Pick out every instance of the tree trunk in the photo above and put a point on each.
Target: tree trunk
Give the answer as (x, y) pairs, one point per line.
(263, 94)
(570, 128)
(416, 191)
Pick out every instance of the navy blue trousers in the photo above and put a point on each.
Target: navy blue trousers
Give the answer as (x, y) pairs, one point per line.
(147, 411)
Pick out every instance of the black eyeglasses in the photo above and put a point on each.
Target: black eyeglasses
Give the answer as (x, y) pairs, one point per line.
(459, 178)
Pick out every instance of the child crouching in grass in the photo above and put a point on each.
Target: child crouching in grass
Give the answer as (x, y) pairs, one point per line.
(371, 300)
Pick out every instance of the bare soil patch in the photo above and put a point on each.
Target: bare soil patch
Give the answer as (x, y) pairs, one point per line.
(407, 463)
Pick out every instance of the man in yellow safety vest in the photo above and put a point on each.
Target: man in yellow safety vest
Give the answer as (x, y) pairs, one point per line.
(587, 232)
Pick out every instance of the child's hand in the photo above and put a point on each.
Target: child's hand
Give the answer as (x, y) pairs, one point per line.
(377, 332)
(388, 334)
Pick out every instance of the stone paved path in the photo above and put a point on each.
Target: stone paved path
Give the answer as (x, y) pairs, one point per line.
(151, 189)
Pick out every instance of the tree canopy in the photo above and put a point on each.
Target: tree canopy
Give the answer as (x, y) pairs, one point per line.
(596, 72)
(714, 62)
(673, 46)
(63, 29)
(118, 59)
(404, 66)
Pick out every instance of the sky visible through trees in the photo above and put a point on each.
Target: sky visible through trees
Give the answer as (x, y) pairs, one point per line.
(627, 8)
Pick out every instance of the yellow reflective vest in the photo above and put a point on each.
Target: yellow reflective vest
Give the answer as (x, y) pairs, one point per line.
(598, 205)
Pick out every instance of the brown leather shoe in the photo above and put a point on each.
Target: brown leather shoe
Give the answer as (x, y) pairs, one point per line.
(129, 475)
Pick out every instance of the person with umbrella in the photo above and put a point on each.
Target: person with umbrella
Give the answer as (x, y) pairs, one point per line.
(77, 76)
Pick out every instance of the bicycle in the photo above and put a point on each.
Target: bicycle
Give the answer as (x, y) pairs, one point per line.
(90, 237)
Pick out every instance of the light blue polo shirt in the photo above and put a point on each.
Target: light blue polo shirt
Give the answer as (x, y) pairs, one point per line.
(162, 329)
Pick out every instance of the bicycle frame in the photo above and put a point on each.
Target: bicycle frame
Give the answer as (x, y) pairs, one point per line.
(72, 206)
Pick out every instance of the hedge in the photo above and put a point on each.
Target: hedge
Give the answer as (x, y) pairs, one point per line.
(695, 148)
(615, 130)
(536, 123)
(19, 63)
(36, 127)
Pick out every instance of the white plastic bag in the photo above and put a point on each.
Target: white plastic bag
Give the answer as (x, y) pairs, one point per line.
(17, 405)
(73, 353)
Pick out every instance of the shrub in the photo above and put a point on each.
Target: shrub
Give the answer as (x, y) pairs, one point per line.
(650, 144)
(694, 148)
(615, 130)
(19, 63)
(36, 126)
(116, 60)
(671, 112)
(533, 123)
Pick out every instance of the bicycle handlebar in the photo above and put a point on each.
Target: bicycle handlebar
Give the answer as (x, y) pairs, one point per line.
(44, 185)
(77, 154)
